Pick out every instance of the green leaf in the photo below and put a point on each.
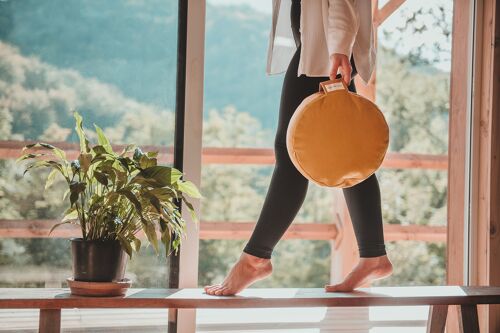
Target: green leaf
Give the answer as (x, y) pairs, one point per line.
(84, 142)
(85, 159)
(132, 198)
(187, 187)
(56, 151)
(57, 225)
(166, 240)
(99, 150)
(43, 164)
(70, 214)
(147, 162)
(103, 140)
(50, 178)
(127, 149)
(137, 244)
(191, 210)
(150, 231)
(164, 193)
(125, 245)
(65, 195)
(153, 200)
(75, 189)
(101, 177)
(157, 176)
(29, 156)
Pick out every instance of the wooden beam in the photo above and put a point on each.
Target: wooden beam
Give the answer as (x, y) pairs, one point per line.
(11, 149)
(141, 298)
(494, 228)
(49, 321)
(213, 155)
(229, 230)
(469, 322)
(426, 233)
(243, 230)
(437, 318)
(457, 149)
(383, 13)
(486, 154)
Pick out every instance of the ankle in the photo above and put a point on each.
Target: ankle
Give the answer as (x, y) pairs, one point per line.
(376, 261)
(253, 260)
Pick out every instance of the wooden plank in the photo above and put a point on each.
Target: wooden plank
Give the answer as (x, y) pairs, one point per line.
(437, 318)
(415, 161)
(51, 298)
(468, 319)
(486, 151)
(383, 13)
(11, 149)
(243, 230)
(494, 229)
(457, 148)
(427, 233)
(184, 270)
(258, 156)
(49, 321)
(230, 230)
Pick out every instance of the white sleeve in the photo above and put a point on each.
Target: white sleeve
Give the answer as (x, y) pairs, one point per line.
(343, 24)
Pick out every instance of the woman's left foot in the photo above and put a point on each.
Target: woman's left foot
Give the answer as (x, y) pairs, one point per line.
(366, 271)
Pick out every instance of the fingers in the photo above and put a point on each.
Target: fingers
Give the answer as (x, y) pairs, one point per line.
(341, 61)
(346, 70)
(335, 66)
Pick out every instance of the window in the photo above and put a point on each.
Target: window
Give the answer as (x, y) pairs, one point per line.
(113, 61)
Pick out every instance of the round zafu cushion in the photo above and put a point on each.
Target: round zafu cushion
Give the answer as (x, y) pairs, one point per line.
(337, 138)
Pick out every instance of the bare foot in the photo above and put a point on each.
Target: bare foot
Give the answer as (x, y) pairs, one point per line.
(246, 271)
(366, 271)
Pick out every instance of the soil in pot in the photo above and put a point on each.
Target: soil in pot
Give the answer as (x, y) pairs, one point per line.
(98, 261)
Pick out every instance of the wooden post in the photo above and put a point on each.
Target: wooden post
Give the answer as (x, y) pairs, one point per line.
(49, 321)
(184, 320)
(486, 155)
(437, 318)
(457, 150)
(468, 319)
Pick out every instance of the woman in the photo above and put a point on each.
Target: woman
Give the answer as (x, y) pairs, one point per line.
(325, 34)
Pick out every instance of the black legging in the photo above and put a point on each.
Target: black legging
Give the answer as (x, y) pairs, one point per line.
(288, 187)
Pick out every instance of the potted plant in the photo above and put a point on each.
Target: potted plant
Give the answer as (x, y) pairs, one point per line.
(113, 196)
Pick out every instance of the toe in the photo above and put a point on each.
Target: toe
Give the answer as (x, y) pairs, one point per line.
(331, 287)
(212, 289)
(219, 291)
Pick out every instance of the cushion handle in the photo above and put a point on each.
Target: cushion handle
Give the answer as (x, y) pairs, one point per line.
(332, 85)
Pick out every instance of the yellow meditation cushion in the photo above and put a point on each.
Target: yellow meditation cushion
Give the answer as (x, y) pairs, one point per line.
(336, 137)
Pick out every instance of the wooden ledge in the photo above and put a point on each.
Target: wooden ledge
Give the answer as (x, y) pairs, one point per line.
(58, 298)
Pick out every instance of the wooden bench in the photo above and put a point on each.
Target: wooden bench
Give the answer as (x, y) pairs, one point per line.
(50, 301)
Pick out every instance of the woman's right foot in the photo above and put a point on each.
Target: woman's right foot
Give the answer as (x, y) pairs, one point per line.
(366, 271)
(246, 271)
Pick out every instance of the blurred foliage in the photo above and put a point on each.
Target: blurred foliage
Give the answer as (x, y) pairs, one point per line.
(121, 77)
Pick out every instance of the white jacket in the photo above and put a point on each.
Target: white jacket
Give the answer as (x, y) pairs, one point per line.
(345, 27)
